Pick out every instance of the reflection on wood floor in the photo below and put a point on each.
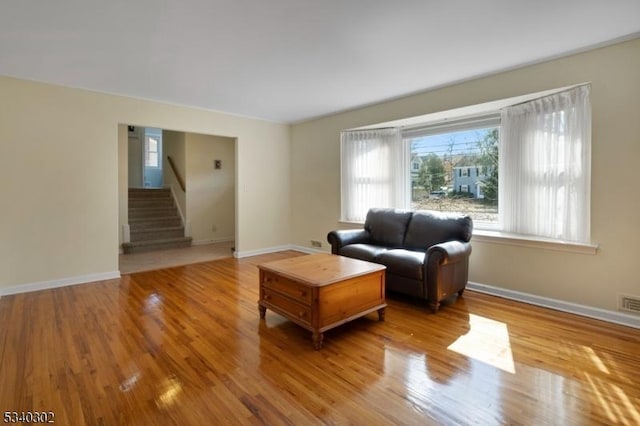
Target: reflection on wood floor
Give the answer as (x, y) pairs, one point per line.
(186, 346)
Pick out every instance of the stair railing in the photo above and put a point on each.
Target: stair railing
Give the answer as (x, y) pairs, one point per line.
(177, 174)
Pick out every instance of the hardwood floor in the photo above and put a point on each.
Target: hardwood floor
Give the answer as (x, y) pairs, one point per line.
(186, 346)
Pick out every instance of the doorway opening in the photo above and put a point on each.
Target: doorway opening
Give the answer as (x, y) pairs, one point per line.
(197, 172)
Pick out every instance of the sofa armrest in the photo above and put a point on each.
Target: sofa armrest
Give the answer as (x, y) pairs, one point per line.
(447, 271)
(343, 237)
(449, 252)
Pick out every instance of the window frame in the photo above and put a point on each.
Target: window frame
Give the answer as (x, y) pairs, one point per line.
(481, 121)
(148, 151)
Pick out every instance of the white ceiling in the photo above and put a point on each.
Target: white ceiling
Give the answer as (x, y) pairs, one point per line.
(292, 60)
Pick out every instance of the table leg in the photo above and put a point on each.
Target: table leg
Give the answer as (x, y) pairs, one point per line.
(381, 313)
(262, 310)
(317, 340)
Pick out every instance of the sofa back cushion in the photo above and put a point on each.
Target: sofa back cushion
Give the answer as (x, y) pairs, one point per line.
(427, 228)
(387, 227)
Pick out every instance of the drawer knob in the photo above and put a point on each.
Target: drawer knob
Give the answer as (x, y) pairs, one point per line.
(267, 296)
(302, 314)
(303, 293)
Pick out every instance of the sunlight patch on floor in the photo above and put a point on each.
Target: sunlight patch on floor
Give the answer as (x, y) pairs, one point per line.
(619, 408)
(487, 341)
(596, 359)
(169, 390)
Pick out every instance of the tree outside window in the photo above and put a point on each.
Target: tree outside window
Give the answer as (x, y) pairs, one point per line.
(459, 173)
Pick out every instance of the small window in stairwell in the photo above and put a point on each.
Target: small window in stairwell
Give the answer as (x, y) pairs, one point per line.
(151, 152)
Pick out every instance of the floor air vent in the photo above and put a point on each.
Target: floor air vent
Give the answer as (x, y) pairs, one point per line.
(629, 304)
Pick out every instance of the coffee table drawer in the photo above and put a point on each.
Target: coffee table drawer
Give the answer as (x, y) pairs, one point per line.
(287, 307)
(290, 288)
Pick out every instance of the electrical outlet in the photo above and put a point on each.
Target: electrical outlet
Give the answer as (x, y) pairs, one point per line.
(315, 243)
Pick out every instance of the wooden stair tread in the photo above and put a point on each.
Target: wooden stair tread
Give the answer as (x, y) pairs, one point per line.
(154, 221)
(158, 244)
(156, 229)
(151, 208)
(158, 241)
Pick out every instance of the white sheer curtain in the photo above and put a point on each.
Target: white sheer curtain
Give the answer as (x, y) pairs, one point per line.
(545, 166)
(371, 161)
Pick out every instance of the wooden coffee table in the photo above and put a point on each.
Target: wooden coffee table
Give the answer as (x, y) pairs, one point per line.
(321, 291)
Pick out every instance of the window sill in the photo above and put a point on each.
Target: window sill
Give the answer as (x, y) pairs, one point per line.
(496, 237)
(343, 224)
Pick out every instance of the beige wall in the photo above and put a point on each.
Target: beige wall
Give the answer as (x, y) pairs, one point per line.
(173, 145)
(592, 280)
(135, 151)
(210, 192)
(63, 176)
(123, 181)
(61, 172)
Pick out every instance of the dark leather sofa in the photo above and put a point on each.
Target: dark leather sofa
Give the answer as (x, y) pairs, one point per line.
(426, 252)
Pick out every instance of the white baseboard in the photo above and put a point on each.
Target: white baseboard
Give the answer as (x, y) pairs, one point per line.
(212, 241)
(559, 305)
(310, 250)
(267, 250)
(63, 282)
(275, 249)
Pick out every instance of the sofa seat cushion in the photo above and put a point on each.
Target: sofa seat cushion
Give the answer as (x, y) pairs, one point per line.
(368, 252)
(406, 263)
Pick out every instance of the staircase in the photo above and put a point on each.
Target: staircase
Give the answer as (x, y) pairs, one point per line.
(154, 223)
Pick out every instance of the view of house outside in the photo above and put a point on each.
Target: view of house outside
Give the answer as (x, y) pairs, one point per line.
(457, 172)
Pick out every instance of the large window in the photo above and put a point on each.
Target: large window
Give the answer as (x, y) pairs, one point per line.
(525, 169)
(458, 168)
